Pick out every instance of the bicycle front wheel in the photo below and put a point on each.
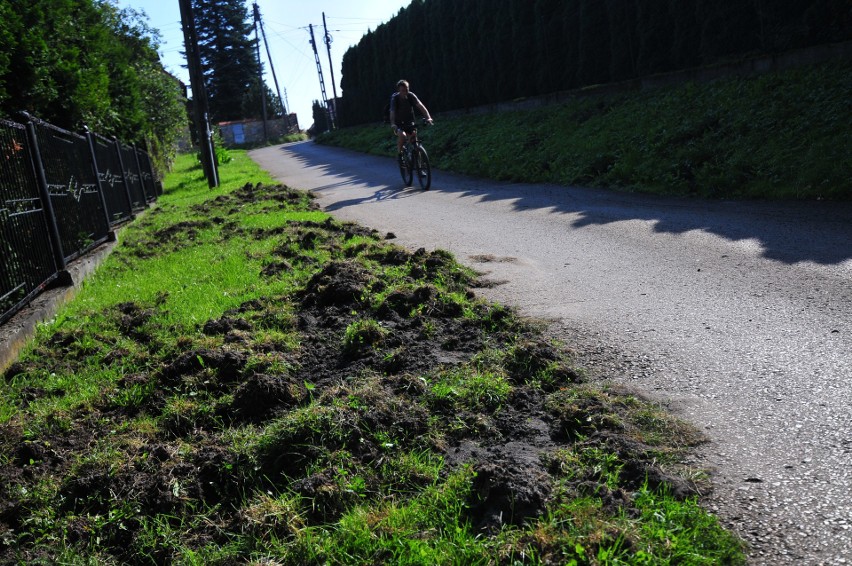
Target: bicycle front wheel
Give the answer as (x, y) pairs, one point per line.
(405, 170)
(422, 168)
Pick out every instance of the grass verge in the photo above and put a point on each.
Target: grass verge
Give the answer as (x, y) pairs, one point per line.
(781, 135)
(247, 380)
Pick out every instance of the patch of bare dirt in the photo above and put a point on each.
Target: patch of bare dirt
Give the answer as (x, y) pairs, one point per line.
(195, 395)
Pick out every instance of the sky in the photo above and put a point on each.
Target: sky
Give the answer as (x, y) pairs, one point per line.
(286, 25)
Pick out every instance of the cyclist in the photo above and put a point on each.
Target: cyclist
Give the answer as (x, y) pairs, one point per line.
(402, 105)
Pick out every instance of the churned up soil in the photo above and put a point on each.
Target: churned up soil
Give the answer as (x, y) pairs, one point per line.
(338, 374)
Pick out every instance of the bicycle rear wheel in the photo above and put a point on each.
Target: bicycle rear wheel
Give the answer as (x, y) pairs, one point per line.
(405, 169)
(423, 169)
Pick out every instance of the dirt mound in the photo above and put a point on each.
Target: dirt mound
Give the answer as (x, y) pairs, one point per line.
(508, 491)
(259, 395)
(339, 376)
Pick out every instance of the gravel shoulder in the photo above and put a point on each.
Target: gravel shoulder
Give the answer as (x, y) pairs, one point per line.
(737, 315)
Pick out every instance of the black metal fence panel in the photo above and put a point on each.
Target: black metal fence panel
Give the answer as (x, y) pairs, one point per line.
(152, 188)
(115, 190)
(73, 188)
(60, 195)
(133, 177)
(27, 263)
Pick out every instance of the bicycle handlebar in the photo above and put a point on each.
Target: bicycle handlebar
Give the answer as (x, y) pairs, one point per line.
(424, 120)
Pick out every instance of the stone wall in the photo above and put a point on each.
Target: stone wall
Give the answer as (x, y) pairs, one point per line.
(250, 132)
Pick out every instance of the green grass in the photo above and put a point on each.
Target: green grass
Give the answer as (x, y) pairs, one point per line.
(189, 407)
(782, 135)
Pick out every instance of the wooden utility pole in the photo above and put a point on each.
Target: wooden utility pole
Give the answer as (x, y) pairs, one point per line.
(199, 95)
(260, 85)
(269, 56)
(333, 108)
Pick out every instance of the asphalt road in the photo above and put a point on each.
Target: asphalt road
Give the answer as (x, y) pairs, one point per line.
(737, 315)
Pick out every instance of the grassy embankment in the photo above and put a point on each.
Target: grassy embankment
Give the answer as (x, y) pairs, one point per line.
(776, 136)
(246, 380)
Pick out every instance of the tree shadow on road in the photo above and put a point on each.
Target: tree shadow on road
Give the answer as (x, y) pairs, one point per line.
(789, 232)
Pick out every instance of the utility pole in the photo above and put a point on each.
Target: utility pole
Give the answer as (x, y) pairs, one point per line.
(269, 56)
(331, 70)
(260, 85)
(199, 95)
(322, 82)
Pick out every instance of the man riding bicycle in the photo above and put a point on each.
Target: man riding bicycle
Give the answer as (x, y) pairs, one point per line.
(402, 107)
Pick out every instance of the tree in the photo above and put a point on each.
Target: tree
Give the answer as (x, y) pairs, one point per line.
(593, 59)
(623, 39)
(150, 103)
(550, 44)
(827, 21)
(320, 118)
(502, 83)
(253, 104)
(8, 28)
(77, 63)
(228, 59)
(726, 29)
(684, 47)
(475, 52)
(56, 68)
(655, 37)
(522, 53)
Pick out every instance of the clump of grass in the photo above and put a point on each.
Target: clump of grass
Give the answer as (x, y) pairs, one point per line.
(363, 333)
(466, 389)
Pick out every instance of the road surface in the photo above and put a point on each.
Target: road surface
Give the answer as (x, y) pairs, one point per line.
(737, 315)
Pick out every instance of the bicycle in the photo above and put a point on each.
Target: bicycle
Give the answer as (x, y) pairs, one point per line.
(415, 159)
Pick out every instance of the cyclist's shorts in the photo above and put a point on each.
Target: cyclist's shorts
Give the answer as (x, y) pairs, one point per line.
(406, 127)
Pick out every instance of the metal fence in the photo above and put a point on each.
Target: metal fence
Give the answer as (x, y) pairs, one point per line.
(61, 195)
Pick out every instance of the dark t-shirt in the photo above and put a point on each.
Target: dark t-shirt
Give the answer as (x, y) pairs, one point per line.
(403, 109)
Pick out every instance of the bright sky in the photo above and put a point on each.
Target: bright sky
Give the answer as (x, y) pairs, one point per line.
(286, 25)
